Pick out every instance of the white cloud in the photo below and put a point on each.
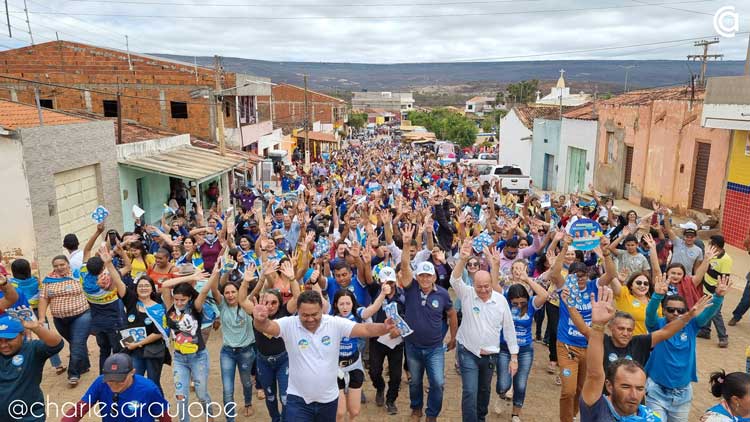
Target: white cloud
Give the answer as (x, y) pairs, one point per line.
(377, 39)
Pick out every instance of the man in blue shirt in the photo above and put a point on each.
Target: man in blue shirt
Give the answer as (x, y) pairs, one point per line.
(671, 367)
(426, 303)
(124, 396)
(343, 278)
(21, 367)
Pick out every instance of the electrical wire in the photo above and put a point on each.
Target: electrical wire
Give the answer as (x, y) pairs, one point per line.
(155, 3)
(391, 17)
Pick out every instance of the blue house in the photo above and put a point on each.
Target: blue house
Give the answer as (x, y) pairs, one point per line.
(544, 150)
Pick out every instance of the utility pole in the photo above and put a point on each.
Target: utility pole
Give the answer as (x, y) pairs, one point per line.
(747, 55)
(28, 24)
(307, 138)
(7, 16)
(119, 113)
(219, 103)
(38, 106)
(627, 73)
(705, 56)
(497, 138)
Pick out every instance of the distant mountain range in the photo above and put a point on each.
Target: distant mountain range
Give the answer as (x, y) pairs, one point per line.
(331, 77)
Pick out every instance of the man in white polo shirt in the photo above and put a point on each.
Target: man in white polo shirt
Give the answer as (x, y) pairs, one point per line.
(312, 342)
(486, 314)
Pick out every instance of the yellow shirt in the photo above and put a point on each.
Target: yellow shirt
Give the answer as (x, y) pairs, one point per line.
(716, 266)
(626, 302)
(142, 265)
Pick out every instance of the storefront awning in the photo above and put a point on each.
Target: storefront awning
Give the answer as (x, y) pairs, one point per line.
(188, 162)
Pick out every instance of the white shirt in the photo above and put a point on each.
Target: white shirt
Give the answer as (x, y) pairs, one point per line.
(483, 321)
(76, 260)
(314, 357)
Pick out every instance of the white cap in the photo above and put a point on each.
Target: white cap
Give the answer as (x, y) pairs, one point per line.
(689, 225)
(425, 268)
(387, 274)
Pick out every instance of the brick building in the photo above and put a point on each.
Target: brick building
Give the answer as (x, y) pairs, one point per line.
(156, 92)
(289, 108)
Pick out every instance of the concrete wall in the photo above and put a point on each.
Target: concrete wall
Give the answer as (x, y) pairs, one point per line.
(664, 137)
(155, 194)
(578, 134)
(53, 149)
(515, 143)
(546, 141)
(16, 222)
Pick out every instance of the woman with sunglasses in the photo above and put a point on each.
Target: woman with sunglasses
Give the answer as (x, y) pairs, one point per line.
(523, 307)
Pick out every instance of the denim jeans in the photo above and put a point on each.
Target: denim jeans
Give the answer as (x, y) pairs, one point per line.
(431, 359)
(151, 368)
(525, 360)
(672, 404)
(109, 343)
(744, 304)
(75, 330)
(233, 359)
(54, 360)
(476, 378)
(272, 370)
(186, 368)
(299, 411)
(718, 321)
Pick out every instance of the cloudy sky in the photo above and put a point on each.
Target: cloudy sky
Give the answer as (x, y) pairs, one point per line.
(386, 31)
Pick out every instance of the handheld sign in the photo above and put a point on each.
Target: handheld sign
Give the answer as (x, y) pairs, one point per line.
(586, 234)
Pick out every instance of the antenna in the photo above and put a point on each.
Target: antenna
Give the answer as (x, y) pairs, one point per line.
(28, 24)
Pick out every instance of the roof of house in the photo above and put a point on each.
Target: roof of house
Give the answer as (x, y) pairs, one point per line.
(637, 98)
(16, 116)
(480, 99)
(527, 114)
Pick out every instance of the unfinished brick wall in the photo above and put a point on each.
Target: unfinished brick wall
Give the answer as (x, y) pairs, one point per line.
(101, 69)
(289, 107)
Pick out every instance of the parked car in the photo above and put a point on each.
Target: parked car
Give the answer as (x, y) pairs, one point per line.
(510, 176)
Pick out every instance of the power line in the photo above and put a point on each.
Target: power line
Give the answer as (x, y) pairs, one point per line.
(393, 17)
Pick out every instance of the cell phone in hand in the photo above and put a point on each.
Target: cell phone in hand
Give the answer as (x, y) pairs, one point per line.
(124, 342)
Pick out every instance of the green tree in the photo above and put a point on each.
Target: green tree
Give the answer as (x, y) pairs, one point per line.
(492, 119)
(523, 92)
(446, 125)
(357, 120)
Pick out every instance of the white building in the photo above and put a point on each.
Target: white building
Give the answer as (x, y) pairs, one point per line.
(576, 154)
(561, 91)
(516, 134)
(402, 102)
(480, 105)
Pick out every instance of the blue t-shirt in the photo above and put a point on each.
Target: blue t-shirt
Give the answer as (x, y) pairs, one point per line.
(522, 323)
(567, 332)
(425, 314)
(350, 345)
(141, 402)
(672, 362)
(21, 378)
(360, 292)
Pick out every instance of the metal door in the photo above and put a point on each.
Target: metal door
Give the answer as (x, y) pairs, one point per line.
(628, 171)
(576, 170)
(549, 172)
(700, 175)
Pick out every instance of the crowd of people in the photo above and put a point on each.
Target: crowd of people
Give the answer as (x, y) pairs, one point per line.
(379, 253)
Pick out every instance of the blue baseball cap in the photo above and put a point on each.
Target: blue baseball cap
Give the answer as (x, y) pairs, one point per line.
(10, 327)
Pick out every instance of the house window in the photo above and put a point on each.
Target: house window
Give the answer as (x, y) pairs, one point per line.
(46, 104)
(611, 148)
(227, 109)
(471, 107)
(247, 110)
(179, 109)
(110, 108)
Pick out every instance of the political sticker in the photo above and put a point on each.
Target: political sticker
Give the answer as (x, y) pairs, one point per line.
(545, 201)
(435, 303)
(475, 310)
(612, 357)
(131, 318)
(566, 372)
(480, 242)
(586, 234)
(17, 360)
(322, 247)
(326, 340)
(99, 214)
(303, 344)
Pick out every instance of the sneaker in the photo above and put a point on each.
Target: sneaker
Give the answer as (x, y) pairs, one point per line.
(704, 334)
(732, 322)
(499, 406)
(515, 418)
(551, 368)
(391, 408)
(723, 343)
(379, 398)
(509, 394)
(73, 381)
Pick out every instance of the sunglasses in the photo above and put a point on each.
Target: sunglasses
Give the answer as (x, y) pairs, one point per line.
(671, 310)
(472, 264)
(519, 304)
(640, 282)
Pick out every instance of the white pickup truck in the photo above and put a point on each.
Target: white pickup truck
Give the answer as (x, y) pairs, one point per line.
(510, 177)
